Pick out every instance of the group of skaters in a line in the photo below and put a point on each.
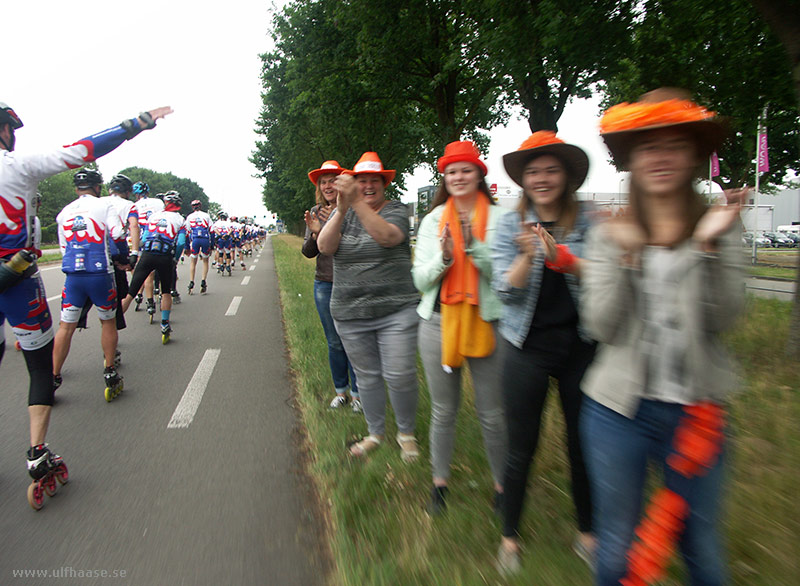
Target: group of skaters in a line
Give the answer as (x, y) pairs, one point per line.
(101, 239)
(624, 311)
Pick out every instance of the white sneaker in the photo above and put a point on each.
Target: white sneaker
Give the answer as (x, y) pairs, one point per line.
(357, 408)
(338, 401)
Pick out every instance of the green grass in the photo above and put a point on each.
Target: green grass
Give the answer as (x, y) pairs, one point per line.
(380, 534)
(773, 272)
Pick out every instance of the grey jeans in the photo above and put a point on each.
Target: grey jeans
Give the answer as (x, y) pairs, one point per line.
(384, 350)
(445, 390)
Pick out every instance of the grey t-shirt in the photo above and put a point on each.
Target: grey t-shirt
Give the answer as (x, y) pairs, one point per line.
(369, 280)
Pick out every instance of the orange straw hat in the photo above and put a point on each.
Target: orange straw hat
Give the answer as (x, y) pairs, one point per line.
(545, 142)
(461, 151)
(370, 163)
(328, 167)
(661, 108)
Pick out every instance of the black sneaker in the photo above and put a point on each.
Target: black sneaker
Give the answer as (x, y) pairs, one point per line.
(437, 505)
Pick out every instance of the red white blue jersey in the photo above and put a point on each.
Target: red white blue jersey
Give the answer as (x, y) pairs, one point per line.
(85, 230)
(222, 228)
(147, 206)
(164, 227)
(20, 173)
(125, 209)
(199, 224)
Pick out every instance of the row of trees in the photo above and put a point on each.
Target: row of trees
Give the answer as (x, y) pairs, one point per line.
(348, 76)
(356, 75)
(58, 191)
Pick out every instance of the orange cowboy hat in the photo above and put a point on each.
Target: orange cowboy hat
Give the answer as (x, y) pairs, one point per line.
(661, 108)
(545, 142)
(370, 163)
(327, 168)
(461, 151)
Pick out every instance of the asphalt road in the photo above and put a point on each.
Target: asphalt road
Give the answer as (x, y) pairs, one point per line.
(221, 500)
(771, 288)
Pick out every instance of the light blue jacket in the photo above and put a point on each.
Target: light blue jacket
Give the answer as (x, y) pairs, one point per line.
(429, 268)
(519, 304)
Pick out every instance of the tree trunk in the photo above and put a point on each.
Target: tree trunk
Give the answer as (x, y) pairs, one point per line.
(783, 17)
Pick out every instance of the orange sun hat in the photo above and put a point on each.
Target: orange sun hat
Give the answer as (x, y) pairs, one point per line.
(661, 108)
(370, 163)
(461, 151)
(327, 168)
(545, 142)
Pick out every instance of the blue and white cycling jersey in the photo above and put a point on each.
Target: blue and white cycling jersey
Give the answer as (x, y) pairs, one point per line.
(20, 173)
(86, 228)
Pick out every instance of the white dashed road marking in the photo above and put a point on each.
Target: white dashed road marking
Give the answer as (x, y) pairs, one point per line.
(234, 306)
(246, 280)
(187, 407)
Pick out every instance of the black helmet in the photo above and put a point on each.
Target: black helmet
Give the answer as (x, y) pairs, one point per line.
(173, 198)
(223, 215)
(8, 116)
(196, 203)
(120, 184)
(141, 188)
(86, 178)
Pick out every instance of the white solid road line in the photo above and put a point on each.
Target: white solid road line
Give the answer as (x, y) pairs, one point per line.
(53, 298)
(234, 306)
(246, 280)
(187, 407)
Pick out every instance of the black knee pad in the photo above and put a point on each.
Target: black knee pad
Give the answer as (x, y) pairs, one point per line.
(40, 370)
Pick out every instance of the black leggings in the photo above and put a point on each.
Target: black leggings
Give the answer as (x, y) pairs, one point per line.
(526, 379)
(40, 371)
(149, 262)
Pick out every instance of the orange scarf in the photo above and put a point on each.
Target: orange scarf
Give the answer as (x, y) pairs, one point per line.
(464, 332)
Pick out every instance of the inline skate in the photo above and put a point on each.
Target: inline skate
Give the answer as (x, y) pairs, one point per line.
(47, 470)
(114, 383)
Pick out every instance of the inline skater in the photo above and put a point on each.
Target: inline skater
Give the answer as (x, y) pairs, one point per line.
(23, 300)
(88, 229)
(166, 235)
(176, 297)
(222, 232)
(198, 225)
(236, 241)
(119, 189)
(145, 207)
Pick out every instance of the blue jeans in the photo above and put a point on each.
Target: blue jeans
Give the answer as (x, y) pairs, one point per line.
(337, 357)
(617, 450)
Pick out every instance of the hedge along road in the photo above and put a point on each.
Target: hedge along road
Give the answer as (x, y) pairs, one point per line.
(192, 475)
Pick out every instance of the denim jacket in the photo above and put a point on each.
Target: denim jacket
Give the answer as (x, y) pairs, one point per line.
(519, 304)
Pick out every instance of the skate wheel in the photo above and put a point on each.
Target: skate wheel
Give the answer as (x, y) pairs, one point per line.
(62, 474)
(151, 318)
(50, 485)
(35, 496)
(108, 394)
(164, 338)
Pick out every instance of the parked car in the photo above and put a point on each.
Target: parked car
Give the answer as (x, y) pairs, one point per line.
(747, 240)
(779, 240)
(794, 236)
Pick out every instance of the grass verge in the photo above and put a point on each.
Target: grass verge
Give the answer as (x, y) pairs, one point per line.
(380, 533)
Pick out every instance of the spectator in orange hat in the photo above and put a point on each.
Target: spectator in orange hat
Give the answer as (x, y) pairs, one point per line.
(373, 299)
(344, 379)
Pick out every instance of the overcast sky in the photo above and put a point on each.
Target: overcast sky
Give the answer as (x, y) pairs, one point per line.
(74, 69)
